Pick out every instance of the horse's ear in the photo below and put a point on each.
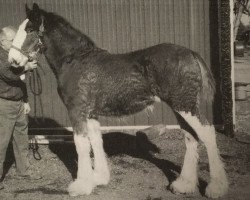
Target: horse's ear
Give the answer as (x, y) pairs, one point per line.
(36, 7)
(27, 10)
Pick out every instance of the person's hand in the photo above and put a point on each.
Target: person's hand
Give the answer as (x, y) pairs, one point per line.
(26, 108)
(31, 65)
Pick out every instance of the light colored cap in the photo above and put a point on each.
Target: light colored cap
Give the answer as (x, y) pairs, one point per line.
(9, 32)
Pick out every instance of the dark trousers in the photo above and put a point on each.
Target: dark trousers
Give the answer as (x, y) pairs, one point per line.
(14, 127)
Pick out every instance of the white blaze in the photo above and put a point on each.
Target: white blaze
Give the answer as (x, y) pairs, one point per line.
(14, 55)
(20, 35)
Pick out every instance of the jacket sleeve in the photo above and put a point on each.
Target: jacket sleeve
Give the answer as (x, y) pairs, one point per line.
(9, 73)
(25, 92)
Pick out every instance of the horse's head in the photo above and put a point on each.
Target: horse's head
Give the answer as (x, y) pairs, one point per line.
(27, 42)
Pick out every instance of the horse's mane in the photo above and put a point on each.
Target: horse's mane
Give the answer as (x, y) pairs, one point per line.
(83, 42)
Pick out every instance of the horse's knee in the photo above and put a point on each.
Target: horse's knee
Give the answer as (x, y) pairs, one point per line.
(80, 128)
(93, 127)
(82, 144)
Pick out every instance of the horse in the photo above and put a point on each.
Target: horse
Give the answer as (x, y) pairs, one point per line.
(93, 82)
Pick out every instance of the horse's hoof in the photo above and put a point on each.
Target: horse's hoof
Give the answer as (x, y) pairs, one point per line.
(216, 189)
(181, 186)
(80, 187)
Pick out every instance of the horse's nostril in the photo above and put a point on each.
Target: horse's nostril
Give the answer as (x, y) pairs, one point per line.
(14, 63)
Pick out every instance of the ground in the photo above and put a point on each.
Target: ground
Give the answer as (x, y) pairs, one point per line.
(138, 170)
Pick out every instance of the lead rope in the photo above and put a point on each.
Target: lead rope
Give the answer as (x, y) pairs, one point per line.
(35, 84)
(36, 89)
(34, 147)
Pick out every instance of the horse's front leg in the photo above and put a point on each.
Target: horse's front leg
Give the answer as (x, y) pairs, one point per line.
(101, 169)
(84, 184)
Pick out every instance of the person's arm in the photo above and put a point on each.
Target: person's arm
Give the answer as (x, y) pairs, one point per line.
(25, 92)
(25, 99)
(9, 73)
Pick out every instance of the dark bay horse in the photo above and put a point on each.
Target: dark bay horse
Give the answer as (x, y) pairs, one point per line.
(92, 82)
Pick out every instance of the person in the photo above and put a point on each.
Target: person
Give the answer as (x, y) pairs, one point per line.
(14, 108)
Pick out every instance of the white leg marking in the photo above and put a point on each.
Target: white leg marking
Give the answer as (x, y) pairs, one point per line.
(187, 181)
(84, 184)
(218, 185)
(101, 169)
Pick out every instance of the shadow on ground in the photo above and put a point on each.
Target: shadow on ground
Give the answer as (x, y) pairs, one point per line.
(115, 144)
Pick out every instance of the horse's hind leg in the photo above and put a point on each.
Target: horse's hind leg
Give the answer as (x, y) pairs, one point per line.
(84, 183)
(218, 185)
(187, 181)
(101, 169)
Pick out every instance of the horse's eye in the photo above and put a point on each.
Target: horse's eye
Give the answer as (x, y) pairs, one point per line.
(29, 30)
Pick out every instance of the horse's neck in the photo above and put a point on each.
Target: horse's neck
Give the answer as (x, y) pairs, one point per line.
(60, 47)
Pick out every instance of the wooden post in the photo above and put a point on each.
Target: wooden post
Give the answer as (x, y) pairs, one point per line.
(225, 64)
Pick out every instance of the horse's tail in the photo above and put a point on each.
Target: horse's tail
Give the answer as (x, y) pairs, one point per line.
(208, 82)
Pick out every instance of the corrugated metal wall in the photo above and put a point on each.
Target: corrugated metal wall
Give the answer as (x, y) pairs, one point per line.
(120, 26)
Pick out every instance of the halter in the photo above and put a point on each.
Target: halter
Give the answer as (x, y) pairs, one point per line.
(39, 43)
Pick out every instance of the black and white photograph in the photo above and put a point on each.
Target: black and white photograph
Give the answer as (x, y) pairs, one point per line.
(124, 99)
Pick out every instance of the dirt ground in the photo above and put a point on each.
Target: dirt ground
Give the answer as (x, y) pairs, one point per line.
(141, 169)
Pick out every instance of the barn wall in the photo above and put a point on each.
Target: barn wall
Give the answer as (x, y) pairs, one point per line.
(118, 26)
